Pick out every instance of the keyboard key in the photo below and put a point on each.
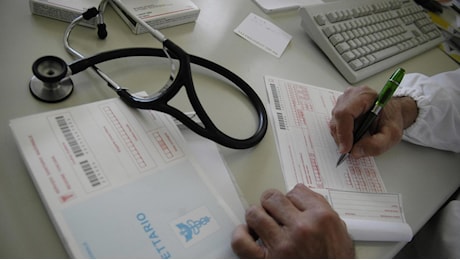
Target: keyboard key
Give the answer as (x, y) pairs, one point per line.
(348, 56)
(385, 53)
(336, 38)
(356, 64)
(320, 19)
(342, 47)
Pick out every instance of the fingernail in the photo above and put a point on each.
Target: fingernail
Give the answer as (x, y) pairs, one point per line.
(341, 148)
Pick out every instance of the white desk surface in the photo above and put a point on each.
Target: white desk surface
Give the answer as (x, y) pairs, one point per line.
(425, 177)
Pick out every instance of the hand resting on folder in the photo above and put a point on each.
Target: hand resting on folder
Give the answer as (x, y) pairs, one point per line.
(300, 224)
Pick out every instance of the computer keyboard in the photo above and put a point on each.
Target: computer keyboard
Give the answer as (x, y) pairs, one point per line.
(364, 37)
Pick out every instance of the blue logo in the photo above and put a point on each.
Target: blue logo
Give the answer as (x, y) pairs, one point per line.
(192, 227)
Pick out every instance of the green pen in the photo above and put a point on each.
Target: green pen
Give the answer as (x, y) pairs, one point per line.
(384, 96)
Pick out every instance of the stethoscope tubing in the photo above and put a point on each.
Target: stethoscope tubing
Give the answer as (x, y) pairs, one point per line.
(183, 79)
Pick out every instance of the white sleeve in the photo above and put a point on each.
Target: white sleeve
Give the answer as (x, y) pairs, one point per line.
(438, 101)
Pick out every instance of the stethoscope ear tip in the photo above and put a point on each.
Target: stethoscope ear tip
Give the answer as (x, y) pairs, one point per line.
(102, 31)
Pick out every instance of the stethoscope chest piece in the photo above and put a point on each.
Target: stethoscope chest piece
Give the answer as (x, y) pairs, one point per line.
(49, 83)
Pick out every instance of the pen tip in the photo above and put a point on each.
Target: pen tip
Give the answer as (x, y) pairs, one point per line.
(341, 159)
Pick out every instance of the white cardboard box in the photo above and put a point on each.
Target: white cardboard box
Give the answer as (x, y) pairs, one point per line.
(157, 13)
(63, 10)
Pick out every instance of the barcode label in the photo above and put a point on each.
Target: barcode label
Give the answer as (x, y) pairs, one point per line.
(90, 173)
(78, 153)
(281, 120)
(276, 98)
(69, 136)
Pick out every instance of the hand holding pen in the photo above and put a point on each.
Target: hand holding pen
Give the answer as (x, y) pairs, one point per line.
(355, 114)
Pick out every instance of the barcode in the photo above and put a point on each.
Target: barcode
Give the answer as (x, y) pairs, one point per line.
(281, 120)
(90, 174)
(276, 98)
(69, 136)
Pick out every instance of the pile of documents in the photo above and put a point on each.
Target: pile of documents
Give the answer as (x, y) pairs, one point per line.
(124, 183)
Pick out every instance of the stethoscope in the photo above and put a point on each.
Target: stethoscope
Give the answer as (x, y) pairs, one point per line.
(52, 83)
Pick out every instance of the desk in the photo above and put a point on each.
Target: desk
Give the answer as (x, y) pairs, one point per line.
(425, 177)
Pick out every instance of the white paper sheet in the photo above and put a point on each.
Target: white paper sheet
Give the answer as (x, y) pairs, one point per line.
(272, 6)
(307, 151)
(371, 216)
(264, 34)
(308, 154)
